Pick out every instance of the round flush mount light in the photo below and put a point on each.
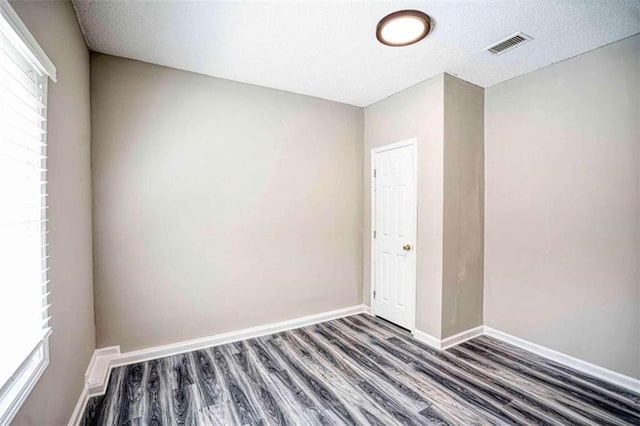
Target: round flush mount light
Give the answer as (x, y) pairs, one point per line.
(403, 28)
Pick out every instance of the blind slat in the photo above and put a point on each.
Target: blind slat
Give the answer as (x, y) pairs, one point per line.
(25, 89)
(27, 222)
(21, 153)
(21, 156)
(15, 72)
(16, 136)
(19, 164)
(19, 94)
(22, 231)
(22, 146)
(29, 108)
(30, 131)
(30, 124)
(12, 61)
(22, 111)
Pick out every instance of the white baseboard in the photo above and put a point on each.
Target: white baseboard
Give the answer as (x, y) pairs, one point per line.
(106, 359)
(97, 375)
(447, 342)
(142, 355)
(427, 339)
(456, 339)
(567, 360)
(96, 379)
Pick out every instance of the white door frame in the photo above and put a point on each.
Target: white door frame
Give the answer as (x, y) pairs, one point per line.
(413, 142)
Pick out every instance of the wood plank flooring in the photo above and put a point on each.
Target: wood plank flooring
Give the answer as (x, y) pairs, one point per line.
(357, 370)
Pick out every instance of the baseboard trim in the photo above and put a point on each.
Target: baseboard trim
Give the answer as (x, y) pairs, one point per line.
(104, 360)
(456, 339)
(96, 379)
(233, 336)
(447, 342)
(97, 375)
(427, 339)
(567, 360)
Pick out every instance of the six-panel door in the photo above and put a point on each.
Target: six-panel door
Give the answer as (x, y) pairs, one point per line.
(395, 234)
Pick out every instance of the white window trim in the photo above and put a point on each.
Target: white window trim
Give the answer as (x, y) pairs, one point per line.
(15, 392)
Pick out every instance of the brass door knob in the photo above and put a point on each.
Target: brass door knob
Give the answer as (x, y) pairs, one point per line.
(406, 247)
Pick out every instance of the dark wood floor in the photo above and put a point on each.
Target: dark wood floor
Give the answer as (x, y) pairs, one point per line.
(357, 370)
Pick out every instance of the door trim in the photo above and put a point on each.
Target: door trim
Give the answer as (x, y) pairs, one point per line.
(413, 142)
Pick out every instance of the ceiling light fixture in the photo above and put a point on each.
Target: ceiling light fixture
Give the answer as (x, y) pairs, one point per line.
(403, 28)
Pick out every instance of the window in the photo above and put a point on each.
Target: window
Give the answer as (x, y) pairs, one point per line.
(24, 322)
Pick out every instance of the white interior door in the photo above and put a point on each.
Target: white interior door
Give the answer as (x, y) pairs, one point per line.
(394, 219)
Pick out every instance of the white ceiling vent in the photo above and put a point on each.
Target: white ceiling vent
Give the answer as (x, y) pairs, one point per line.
(504, 45)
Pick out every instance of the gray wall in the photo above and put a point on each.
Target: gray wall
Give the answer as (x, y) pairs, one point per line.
(463, 244)
(413, 113)
(218, 205)
(55, 27)
(446, 115)
(562, 207)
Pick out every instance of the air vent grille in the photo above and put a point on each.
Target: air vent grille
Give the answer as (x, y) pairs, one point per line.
(509, 43)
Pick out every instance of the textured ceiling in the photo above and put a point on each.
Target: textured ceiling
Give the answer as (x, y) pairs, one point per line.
(329, 49)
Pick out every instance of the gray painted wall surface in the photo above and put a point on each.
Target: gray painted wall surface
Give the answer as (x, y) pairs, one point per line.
(218, 205)
(463, 243)
(562, 207)
(54, 26)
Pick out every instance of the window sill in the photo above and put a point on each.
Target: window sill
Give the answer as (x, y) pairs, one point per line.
(15, 392)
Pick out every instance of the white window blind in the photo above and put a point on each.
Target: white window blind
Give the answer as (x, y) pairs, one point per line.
(24, 319)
